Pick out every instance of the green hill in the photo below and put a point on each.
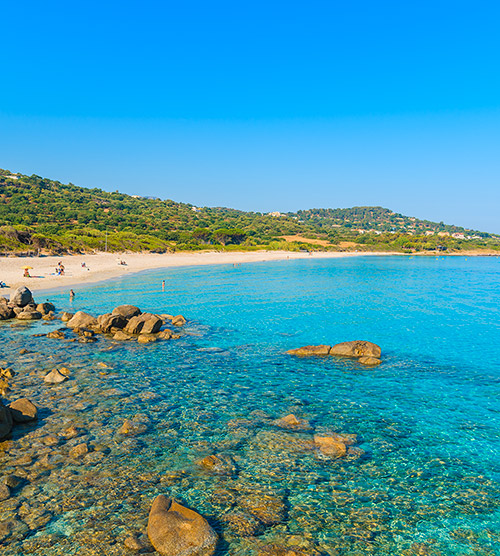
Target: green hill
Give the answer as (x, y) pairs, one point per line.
(39, 214)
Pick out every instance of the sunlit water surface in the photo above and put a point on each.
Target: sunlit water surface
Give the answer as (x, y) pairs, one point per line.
(427, 419)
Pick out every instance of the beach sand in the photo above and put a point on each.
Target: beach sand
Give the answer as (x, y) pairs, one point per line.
(102, 266)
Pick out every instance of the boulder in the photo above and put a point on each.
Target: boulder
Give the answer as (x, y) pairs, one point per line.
(152, 323)
(81, 320)
(147, 338)
(45, 308)
(6, 312)
(29, 315)
(178, 531)
(166, 334)
(65, 317)
(134, 325)
(356, 348)
(178, 320)
(54, 377)
(23, 411)
(108, 321)
(369, 361)
(127, 311)
(122, 336)
(5, 421)
(292, 422)
(56, 334)
(307, 351)
(21, 297)
(330, 446)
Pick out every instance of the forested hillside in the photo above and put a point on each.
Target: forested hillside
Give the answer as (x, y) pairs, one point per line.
(41, 214)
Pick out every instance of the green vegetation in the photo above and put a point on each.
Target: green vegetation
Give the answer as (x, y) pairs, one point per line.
(38, 214)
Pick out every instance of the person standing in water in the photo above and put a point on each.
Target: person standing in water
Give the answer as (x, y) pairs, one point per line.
(71, 294)
(163, 285)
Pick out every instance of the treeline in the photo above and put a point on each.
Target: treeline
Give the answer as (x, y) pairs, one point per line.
(38, 214)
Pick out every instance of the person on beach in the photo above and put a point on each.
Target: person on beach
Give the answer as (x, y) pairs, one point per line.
(26, 273)
(71, 294)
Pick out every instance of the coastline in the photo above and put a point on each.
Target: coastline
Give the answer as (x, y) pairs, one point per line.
(103, 266)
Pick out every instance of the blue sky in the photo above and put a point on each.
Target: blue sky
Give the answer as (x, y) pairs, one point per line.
(260, 106)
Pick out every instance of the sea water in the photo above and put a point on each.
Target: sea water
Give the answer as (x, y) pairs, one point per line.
(424, 478)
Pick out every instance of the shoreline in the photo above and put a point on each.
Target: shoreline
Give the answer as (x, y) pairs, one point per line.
(100, 267)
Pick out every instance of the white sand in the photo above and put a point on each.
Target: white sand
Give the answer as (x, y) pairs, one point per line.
(102, 266)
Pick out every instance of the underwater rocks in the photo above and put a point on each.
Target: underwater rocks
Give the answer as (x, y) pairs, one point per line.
(219, 465)
(178, 531)
(5, 421)
(54, 377)
(293, 423)
(23, 411)
(367, 353)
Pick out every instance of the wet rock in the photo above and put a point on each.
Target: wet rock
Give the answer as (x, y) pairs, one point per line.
(12, 481)
(330, 446)
(56, 334)
(178, 320)
(70, 432)
(219, 464)
(81, 320)
(21, 297)
(293, 423)
(79, 451)
(5, 421)
(133, 428)
(133, 543)
(55, 377)
(241, 524)
(29, 315)
(178, 531)
(147, 338)
(108, 321)
(269, 509)
(356, 348)
(134, 325)
(127, 311)
(23, 351)
(23, 411)
(7, 373)
(122, 336)
(66, 317)
(307, 351)
(4, 492)
(369, 361)
(152, 324)
(45, 308)
(165, 334)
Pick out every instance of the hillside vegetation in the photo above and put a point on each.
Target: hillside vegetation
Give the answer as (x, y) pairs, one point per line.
(42, 215)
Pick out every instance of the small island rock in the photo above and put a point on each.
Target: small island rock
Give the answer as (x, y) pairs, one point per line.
(356, 348)
(310, 350)
(81, 320)
(178, 531)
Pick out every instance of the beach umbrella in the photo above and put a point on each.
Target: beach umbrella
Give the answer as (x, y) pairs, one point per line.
(27, 267)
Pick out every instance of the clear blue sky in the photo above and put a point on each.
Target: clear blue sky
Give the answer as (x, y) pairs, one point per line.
(260, 105)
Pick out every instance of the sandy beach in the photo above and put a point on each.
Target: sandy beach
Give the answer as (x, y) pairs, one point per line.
(102, 266)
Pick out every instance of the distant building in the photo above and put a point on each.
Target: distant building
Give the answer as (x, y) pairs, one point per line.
(443, 234)
(196, 209)
(276, 214)
(458, 236)
(429, 233)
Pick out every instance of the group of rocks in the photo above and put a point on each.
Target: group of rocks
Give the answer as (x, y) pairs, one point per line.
(22, 306)
(367, 353)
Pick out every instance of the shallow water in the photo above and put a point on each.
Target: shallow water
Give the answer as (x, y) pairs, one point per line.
(427, 419)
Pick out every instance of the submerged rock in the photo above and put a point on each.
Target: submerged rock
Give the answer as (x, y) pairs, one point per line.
(178, 320)
(370, 361)
(292, 422)
(54, 377)
(178, 531)
(21, 297)
(23, 411)
(330, 446)
(219, 464)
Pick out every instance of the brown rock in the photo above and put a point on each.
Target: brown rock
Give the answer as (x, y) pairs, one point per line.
(5, 421)
(79, 451)
(23, 411)
(45, 308)
(307, 351)
(122, 336)
(4, 492)
(108, 321)
(21, 297)
(127, 311)
(65, 317)
(152, 324)
(81, 320)
(147, 338)
(134, 325)
(356, 348)
(56, 334)
(178, 320)
(330, 446)
(369, 361)
(178, 531)
(292, 422)
(165, 334)
(29, 315)
(54, 377)
(241, 524)
(269, 509)
(219, 464)
(6, 312)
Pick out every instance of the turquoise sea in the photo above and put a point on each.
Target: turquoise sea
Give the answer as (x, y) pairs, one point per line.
(425, 479)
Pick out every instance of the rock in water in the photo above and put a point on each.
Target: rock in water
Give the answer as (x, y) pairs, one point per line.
(109, 321)
(310, 350)
(292, 422)
(178, 320)
(29, 315)
(45, 308)
(152, 324)
(330, 446)
(177, 531)
(65, 317)
(5, 421)
(6, 312)
(127, 311)
(81, 320)
(356, 348)
(21, 297)
(23, 411)
(54, 377)
(370, 361)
